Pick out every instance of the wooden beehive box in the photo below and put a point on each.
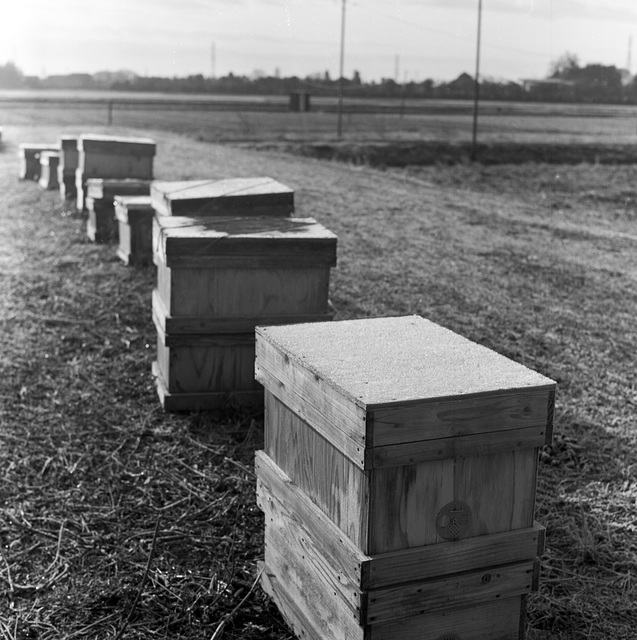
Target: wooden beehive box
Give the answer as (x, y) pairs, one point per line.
(134, 216)
(260, 196)
(29, 154)
(49, 161)
(102, 225)
(67, 166)
(217, 278)
(115, 157)
(398, 480)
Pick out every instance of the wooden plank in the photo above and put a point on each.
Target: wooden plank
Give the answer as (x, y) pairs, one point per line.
(499, 489)
(311, 397)
(453, 447)
(497, 620)
(235, 196)
(449, 594)
(275, 490)
(448, 558)
(307, 622)
(203, 401)
(404, 502)
(285, 531)
(226, 292)
(329, 478)
(328, 614)
(218, 364)
(455, 416)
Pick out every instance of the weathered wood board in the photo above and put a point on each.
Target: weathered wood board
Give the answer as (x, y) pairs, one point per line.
(261, 196)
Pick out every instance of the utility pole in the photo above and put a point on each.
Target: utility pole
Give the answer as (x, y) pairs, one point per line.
(213, 61)
(476, 100)
(339, 124)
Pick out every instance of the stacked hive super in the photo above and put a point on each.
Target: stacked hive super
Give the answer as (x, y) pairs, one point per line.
(112, 158)
(67, 166)
(29, 154)
(49, 161)
(218, 276)
(101, 225)
(398, 481)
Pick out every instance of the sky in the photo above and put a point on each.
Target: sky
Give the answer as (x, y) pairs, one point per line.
(407, 40)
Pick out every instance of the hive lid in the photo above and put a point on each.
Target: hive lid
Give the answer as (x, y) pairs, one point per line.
(376, 388)
(234, 196)
(387, 361)
(244, 242)
(133, 202)
(133, 206)
(101, 188)
(116, 145)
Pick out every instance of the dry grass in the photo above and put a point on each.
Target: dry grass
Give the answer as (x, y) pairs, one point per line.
(118, 521)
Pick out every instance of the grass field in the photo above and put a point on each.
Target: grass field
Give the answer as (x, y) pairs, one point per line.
(117, 520)
(379, 120)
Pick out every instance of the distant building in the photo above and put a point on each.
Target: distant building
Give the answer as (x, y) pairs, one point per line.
(550, 90)
(70, 81)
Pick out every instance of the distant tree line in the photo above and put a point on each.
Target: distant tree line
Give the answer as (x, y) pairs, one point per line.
(567, 81)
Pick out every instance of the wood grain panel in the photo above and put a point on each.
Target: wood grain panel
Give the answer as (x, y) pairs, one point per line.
(313, 399)
(449, 594)
(337, 486)
(460, 416)
(405, 502)
(497, 620)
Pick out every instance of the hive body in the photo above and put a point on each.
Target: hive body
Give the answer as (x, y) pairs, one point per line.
(29, 154)
(217, 278)
(112, 157)
(134, 216)
(413, 452)
(102, 225)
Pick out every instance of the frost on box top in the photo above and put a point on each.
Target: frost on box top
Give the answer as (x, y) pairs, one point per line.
(393, 360)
